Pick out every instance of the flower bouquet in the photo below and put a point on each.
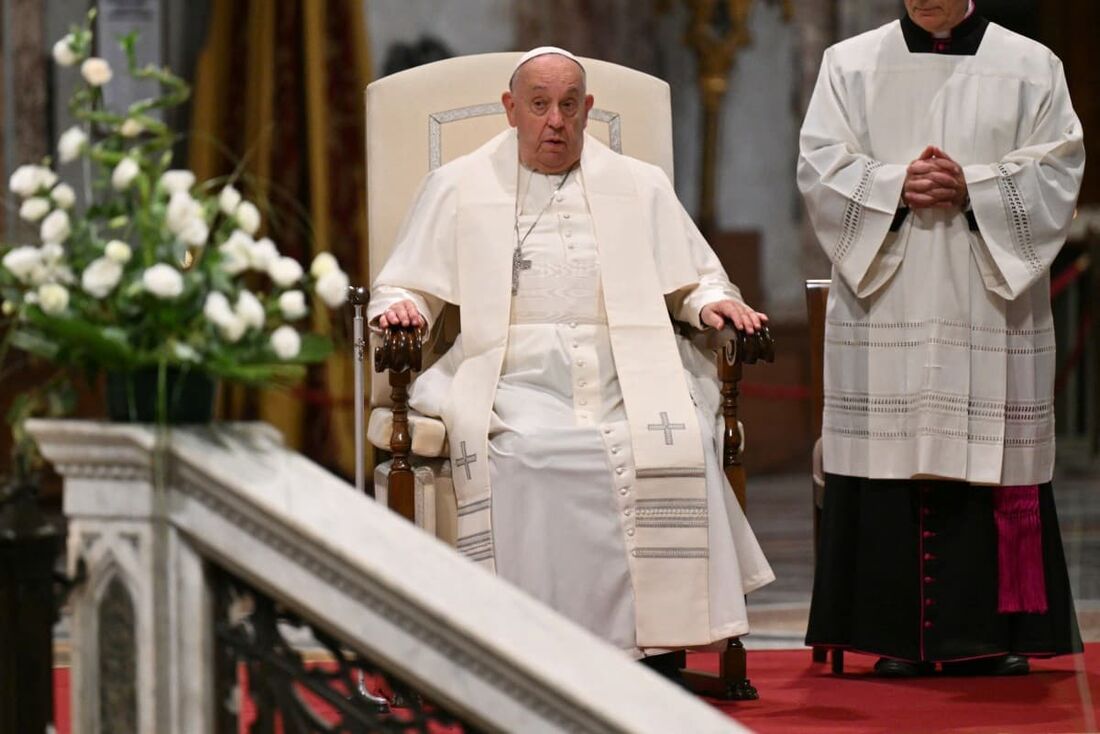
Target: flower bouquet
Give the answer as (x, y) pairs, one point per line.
(154, 271)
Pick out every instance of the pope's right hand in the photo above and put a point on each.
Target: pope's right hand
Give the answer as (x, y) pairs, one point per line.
(402, 313)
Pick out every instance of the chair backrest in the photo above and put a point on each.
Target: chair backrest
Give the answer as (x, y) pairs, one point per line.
(423, 117)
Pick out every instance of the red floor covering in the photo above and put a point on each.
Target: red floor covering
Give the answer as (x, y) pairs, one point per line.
(797, 695)
(1059, 696)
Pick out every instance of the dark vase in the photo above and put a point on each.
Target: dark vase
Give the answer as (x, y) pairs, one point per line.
(132, 396)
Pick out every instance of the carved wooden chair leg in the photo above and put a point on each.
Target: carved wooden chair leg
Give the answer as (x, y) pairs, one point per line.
(731, 682)
(399, 355)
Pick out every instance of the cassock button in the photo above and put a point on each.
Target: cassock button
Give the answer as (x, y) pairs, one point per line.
(559, 197)
(619, 470)
(929, 579)
(928, 534)
(568, 233)
(634, 553)
(926, 511)
(580, 363)
(582, 401)
(614, 449)
(929, 602)
(929, 557)
(626, 512)
(607, 430)
(928, 625)
(572, 324)
(566, 215)
(581, 383)
(630, 531)
(624, 490)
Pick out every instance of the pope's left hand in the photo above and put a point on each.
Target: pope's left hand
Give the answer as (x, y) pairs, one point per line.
(744, 318)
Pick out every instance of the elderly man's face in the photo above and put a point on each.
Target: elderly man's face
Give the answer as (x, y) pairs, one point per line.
(548, 107)
(937, 16)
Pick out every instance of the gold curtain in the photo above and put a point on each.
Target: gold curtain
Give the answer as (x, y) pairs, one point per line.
(278, 100)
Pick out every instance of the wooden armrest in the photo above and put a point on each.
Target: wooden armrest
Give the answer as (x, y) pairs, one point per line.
(399, 355)
(736, 344)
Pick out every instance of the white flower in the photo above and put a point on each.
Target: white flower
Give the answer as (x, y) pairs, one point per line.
(250, 310)
(7, 308)
(293, 305)
(248, 217)
(131, 128)
(31, 298)
(163, 281)
(195, 233)
(63, 52)
(96, 71)
(233, 330)
(124, 174)
(185, 352)
(21, 261)
(71, 143)
(52, 253)
(55, 227)
(236, 252)
(263, 254)
(28, 180)
(285, 342)
(101, 276)
(332, 288)
(53, 298)
(182, 209)
(216, 309)
(177, 180)
(34, 208)
(118, 251)
(63, 195)
(228, 200)
(285, 272)
(323, 264)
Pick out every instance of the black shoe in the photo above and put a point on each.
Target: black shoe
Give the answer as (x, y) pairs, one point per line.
(894, 668)
(999, 665)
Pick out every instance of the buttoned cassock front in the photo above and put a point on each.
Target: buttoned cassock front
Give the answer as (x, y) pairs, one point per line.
(576, 392)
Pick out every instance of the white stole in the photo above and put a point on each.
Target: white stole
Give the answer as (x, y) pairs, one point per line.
(668, 548)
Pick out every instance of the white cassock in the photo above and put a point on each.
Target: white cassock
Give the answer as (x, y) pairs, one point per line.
(572, 516)
(939, 339)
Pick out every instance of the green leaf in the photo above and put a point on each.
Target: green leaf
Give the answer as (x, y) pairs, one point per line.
(106, 345)
(34, 343)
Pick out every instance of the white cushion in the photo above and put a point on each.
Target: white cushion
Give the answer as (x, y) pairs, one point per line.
(429, 436)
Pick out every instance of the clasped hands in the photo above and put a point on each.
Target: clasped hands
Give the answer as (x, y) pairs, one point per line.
(405, 313)
(934, 181)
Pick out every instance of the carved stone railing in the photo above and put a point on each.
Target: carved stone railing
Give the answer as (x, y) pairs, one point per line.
(171, 528)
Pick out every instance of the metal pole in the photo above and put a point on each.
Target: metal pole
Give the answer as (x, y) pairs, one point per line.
(358, 297)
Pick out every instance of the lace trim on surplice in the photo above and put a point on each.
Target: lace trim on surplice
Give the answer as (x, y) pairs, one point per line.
(852, 225)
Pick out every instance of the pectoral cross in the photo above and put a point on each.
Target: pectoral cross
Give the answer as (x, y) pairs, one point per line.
(518, 264)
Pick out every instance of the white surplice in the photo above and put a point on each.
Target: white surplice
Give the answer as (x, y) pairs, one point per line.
(564, 504)
(939, 340)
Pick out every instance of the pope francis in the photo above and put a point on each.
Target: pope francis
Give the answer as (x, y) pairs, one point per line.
(582, 431)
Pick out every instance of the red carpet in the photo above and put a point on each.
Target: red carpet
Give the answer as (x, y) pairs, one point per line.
(797, 695)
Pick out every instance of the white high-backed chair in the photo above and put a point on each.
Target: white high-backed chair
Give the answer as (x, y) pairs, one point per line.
(418, 120)
(422, 118)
